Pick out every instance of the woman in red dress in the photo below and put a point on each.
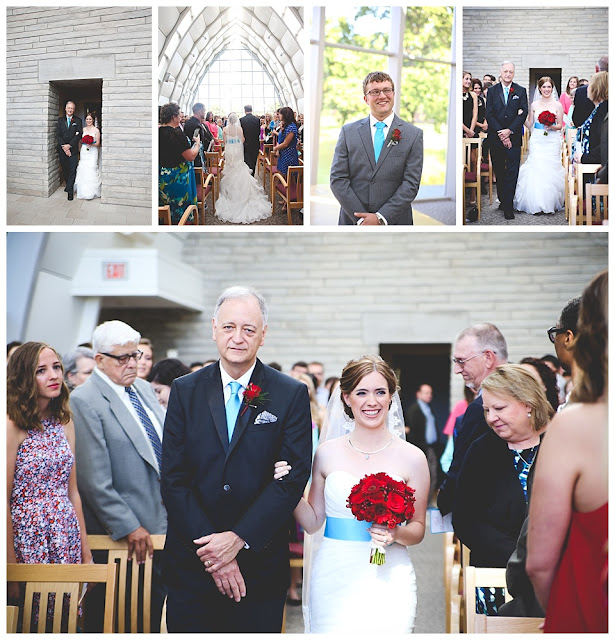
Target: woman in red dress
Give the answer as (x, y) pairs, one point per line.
(567, 539)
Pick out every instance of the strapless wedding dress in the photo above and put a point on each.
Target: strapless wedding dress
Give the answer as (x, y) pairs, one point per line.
(87, 181)
(242, 199)
(542, 177)
(347, 593)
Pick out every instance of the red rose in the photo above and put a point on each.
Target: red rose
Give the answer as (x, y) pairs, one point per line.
(409, 511)
(251, 392)
(395, 503)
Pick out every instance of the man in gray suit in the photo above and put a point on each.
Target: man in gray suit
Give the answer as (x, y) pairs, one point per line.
(118, 433)
(378, 161)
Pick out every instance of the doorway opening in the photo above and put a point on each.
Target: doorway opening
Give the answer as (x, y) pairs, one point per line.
(417, 364)
(87, 96)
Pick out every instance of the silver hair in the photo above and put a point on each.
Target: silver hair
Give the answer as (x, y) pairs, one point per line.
(603, 63)
(508, 62)
(111, 334)
(488, 337)
(70, 359)
(238, 292)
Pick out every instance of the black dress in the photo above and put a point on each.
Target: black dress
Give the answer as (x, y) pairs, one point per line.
(468, 109)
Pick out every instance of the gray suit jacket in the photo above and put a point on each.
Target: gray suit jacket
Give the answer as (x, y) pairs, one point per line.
(117, 475)
(388, 186)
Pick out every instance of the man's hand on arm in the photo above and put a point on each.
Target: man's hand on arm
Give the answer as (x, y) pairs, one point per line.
(218, 549)
(140, 543)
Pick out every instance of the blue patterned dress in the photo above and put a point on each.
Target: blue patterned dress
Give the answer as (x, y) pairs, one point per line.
(288, 157)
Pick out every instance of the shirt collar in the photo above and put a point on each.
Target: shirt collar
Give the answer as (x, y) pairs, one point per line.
(388, 120)
(244, 380)
(120, 389)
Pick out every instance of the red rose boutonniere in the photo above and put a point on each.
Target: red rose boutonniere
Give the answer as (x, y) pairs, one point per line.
(252, 397)
(395, 137)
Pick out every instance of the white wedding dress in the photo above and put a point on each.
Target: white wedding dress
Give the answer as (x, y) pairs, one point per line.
(347, 594)
(87, 181)
(242, 199)
(542, 177)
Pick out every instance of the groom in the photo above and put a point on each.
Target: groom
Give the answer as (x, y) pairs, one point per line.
(69, 131)
(378, 161)
(226, 551)
(506, 112)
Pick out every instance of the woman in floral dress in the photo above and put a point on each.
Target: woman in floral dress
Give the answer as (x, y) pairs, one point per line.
(45, 519)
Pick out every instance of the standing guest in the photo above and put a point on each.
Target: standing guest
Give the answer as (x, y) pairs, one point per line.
(470, 106)
(489, 78)
(176, 182)
(11, 347)
(450, 428)
(300, 130)
(118, 426)
(583, 105)
(299, 367)
(182, 120)
(568, 95)
(481, 118)
(261, 135)
(195, 366)
(196, 123)
(478, 350)
(45, 523)
(250, 125)
(317, 369)
(220, 129)
(568, 537)
(286, 148)
(145, 363)
(162, 375)
(545, 378)
(226, 551)
(213, 129)
(78, 366)
(423, 433)
(69, 134)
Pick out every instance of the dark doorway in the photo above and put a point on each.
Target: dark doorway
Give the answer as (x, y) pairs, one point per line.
(87, 96)
(417, 364)
(536, 74)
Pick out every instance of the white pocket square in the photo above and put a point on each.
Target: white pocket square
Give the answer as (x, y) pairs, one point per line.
(265, 418)
(515, 97)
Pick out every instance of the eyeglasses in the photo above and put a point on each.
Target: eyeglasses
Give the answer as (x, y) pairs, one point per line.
(376, 92)
(553, 331)
(125, 357)
(462, 361)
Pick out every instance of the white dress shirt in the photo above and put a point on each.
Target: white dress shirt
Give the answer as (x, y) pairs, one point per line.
(244, 380)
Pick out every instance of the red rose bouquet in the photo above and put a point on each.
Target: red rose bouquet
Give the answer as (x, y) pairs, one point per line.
(548, 119)
(379, 499)
(87, 140)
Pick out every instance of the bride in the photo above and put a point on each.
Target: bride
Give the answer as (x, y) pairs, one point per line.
(363, 434)
(87, 182)
(542, 178)
(242, 199)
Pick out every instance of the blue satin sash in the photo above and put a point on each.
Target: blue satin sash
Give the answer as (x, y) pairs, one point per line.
(347, 529)
(537, 125)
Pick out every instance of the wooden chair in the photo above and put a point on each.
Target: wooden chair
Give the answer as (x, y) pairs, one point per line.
(12, 616)
(290, 189)
(164, 215)
(580, 172)
(487, 167)
(60, 579)
(504, 624)
(455, 614)
(269, 169)
(571, 135)
(215, 166)
(263, 157)
(472, 167)
(599, 213)
(130, 588)
(204, 186)
(474, 577)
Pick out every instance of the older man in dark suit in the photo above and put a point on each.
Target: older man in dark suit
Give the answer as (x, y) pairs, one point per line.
(69, 130)
(226, 552)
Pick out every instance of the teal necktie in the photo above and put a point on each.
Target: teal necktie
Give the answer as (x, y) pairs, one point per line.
(506, 90)
(232, 408)
(378, 139)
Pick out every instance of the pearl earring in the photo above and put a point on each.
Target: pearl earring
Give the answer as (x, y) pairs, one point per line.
(529, 414)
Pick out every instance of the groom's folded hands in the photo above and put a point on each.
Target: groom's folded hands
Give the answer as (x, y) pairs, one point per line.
(229, 581)
(218, 549)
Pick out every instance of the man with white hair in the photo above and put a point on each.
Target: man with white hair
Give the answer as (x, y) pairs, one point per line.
(478, 351)
(118, 433)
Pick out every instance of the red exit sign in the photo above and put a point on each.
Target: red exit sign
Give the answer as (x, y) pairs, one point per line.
(115, 270)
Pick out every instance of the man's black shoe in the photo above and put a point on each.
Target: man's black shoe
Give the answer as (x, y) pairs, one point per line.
(70, 196)
(509, 215)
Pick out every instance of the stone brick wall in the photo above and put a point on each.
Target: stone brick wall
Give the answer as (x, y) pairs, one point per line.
(334, 296)
(570, 38)
(47, 44)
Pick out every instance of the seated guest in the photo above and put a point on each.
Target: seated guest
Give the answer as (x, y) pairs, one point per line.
(567, 557)
(176, 182)
(491, 499)
(45, 516)
(162, 375)
(78, 365)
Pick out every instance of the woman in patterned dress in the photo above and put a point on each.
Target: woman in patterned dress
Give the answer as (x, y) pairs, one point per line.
(287, 141)
(45, 519)
(492, 490)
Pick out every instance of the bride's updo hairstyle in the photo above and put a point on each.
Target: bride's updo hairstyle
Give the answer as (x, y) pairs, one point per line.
(545, 79)
(357, 369)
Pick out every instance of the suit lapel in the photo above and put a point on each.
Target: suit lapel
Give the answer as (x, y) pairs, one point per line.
(258, 378)
(215, 400)
(386, 147)
(368, 143)
(126, 421)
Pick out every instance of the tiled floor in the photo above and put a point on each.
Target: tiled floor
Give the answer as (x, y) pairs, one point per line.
(57, 210)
